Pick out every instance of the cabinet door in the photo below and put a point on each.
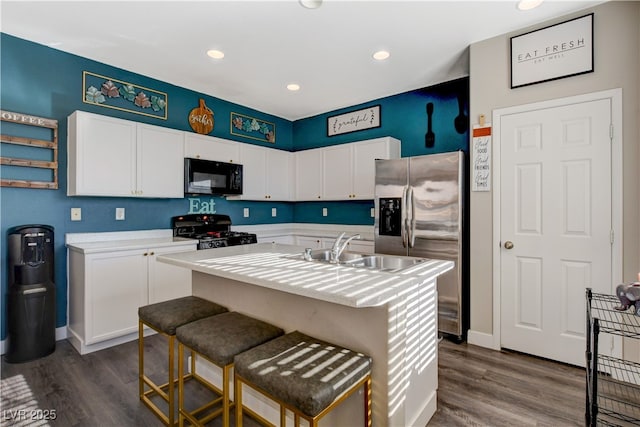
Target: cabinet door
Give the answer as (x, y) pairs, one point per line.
(284, 239)
(253, 160)
(160, 171)
(168, 281)
(101, 155)
(116, 285)
(364, 168)
(279, 176)
(308, 175)
(337, 174)
(211, 148)
(362, 246)
(310, 242)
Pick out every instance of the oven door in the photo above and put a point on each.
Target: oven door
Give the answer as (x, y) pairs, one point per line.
(211, 177)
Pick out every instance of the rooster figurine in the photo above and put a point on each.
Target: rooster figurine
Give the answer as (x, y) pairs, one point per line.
(629, 295)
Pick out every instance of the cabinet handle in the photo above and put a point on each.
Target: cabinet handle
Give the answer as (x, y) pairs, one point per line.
(152, 253)
(319, 197)
(145, 254)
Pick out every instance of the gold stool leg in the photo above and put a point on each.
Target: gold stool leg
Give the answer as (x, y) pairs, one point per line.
(140, 359)
(237, 393)
(171, 382)
(180, 384)
(367, 402)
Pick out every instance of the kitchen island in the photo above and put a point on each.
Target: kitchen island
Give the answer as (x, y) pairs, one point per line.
(390, 316)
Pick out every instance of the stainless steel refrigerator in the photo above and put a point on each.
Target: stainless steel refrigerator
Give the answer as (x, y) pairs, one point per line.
(418, 205)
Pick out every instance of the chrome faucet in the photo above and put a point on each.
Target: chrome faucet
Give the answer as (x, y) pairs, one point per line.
(338, 248)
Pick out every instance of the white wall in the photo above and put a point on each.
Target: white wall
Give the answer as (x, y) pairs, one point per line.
(616, 64)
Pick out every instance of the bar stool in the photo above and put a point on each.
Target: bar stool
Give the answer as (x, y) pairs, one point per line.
(304, 375)
(164, 318)
(218, 339)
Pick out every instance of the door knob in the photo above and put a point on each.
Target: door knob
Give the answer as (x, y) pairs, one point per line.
(508, 244)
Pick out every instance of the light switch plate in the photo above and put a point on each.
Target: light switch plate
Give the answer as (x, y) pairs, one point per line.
(245, 212)
(119, 214)
(325, 212)
(76, 214)
(373, 212)
(274, 212)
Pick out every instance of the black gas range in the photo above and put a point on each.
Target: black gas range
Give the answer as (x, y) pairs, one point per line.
(211, 230)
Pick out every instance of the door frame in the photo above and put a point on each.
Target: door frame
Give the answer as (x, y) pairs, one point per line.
(615, 95)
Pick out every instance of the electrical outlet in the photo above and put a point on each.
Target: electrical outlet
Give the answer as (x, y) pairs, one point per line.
(76, 214)
(325, 212)
(274, 212)
(245, 212)
(119, 214)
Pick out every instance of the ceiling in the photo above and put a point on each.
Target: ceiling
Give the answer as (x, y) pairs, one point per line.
(268, 44)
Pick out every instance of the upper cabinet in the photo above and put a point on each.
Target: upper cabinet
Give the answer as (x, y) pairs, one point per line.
(211, 148)
(308, 174)
(342, 172)
(114, 157)
(267, 174)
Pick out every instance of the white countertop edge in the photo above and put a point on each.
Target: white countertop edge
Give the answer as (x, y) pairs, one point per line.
(124, 240)
(306, 229)
(71, 238)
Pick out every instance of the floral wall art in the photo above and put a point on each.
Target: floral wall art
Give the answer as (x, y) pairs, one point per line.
(112, 93)
(250, 127)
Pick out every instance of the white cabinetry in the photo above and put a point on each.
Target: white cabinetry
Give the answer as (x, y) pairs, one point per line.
(314, 242)
(337, 172)
(106, 289)
(159, 159)
(114, 157)
(362, 246)
(364, 167)
(308, 174)
(211, 148)
(267, 173)
(342, 172)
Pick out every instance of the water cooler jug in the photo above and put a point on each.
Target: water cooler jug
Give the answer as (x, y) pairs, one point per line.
(31, 305)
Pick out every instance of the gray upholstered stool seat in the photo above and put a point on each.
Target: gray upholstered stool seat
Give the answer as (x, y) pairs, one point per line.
(164, 318)
(218, 339)
(303, 374)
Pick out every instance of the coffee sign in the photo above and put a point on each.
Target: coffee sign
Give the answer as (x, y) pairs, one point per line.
(201, 119)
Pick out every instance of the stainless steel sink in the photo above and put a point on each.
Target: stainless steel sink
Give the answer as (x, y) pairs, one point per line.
(359, 260)
(385, 262)
(325, 255)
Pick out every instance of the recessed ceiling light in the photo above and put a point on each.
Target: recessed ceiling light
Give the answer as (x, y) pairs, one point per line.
(293, 87)
(215, 54)
(529, 4)
(311, 4)
(381, 55)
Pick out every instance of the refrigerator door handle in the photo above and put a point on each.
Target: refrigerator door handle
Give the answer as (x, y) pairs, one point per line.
(412, 221)
(403, 209)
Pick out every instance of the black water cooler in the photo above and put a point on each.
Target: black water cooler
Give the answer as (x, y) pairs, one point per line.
(31, 299)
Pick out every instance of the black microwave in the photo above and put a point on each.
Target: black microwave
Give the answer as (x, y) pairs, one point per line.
(212, 177)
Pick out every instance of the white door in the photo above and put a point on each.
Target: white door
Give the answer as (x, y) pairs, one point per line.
(556, 223)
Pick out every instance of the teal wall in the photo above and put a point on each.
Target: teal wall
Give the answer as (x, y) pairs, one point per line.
(40, 81)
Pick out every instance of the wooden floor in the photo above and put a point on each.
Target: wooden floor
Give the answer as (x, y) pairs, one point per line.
(478, 387)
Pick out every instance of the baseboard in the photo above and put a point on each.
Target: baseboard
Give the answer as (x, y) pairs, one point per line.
(481, 339)
(61, 334)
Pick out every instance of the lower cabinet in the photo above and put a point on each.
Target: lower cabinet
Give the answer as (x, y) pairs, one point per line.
(106, 289)
(363, 246)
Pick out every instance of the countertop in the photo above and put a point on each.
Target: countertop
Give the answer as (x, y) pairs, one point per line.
(281, 267)
(124, 240)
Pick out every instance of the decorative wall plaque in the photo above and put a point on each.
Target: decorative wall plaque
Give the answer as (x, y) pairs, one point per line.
(354, 121)
(119, 95)
(553, 52)
(201, 119)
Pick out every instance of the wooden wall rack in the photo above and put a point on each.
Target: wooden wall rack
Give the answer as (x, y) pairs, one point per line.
(28, 120)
